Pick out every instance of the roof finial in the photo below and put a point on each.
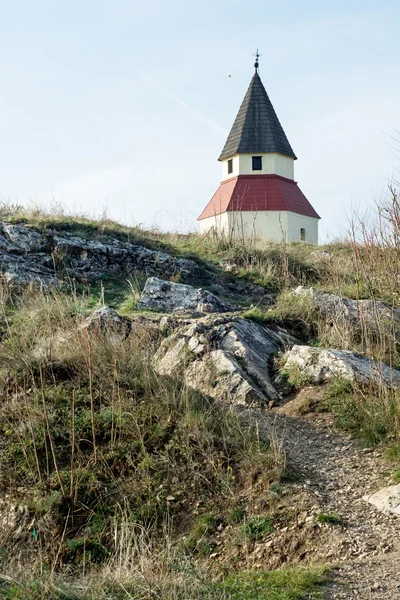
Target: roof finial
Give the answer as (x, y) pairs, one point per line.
(257, 55)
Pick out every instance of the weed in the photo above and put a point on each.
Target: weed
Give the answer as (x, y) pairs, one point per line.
(292, 375)
(237, 514)
(256, 314)
(257, 527)
(329, 519)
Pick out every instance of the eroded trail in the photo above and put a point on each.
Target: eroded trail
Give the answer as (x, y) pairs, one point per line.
(337, 472)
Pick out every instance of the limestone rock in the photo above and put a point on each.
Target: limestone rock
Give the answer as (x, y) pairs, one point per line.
(61, 343)
(14, 518)
(169, 297)
(321, 256)
(29, 256)
(345, 311)
(320, 364)
(226, 358)
(107, 319)
(386, 500)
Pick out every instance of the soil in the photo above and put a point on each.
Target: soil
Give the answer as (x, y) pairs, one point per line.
(336, 471)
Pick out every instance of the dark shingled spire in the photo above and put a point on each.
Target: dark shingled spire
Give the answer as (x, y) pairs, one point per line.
(256, 128)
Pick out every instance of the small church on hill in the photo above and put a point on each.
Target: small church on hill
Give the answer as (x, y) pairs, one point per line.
(258, 196)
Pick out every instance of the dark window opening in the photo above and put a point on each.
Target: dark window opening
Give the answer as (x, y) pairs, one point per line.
(257, 163)
(303, 235)
(230, 166)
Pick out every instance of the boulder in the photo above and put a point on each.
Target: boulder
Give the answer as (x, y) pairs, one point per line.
(226, 358)
(386, 500)
(345, 311)
(321, 256)
(107, 319)
(168, 296)
(317, 365)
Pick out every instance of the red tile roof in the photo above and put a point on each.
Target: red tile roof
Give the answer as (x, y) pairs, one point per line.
(258, 192)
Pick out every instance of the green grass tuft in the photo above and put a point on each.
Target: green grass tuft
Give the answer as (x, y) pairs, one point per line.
(329, 519)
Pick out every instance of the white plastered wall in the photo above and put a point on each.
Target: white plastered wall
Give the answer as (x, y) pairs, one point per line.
(296, 223)
(272, 164)
(219, 222)
(266, 224)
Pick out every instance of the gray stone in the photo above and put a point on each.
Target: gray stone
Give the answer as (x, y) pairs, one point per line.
(46, 258)
(321, 256)
(169, 297)
(386, 500)
(226, 358)
(107, 319)
(321, 364)
(345, 311)
(28, 256)
(14, 518)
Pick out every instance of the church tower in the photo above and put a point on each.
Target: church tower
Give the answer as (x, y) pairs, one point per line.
(258, 196)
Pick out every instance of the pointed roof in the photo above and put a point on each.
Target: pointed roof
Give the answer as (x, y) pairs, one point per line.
(256, 128)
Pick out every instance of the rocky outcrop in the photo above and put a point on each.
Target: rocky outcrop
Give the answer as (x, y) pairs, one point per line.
(47, 258)
(226, 358)
(168, 296)
(345, 311)
(27, 256)
(317, 365)
(386, 500)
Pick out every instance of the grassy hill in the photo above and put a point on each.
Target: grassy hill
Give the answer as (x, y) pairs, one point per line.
(117, 482)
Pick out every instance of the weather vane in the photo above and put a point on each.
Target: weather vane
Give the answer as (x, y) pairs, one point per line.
(257, 55)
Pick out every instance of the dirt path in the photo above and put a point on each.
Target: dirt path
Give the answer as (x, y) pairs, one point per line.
(338, 472)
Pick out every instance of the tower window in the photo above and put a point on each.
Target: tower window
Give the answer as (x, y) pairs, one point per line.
(230, 166)
(257, 163)
(303, 235)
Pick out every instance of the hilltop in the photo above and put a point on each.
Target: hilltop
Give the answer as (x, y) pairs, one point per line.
(193, 417)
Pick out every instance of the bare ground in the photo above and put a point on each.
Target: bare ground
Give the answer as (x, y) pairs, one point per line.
(337, 472)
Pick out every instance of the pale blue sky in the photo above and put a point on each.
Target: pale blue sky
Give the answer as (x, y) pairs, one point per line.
(126, 106)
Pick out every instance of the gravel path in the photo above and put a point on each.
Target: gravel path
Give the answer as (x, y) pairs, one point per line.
(338, 473)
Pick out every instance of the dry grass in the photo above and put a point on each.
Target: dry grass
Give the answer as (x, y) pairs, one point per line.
(100, 449)
(112, 459)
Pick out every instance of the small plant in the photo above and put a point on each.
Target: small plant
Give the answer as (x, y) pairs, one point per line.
(237, 515)
(329, 519)
(257, 527)
(256, 314)
(292, 375)
(203, 528)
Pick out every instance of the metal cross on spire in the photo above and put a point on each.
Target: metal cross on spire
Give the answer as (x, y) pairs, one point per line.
(257, 55)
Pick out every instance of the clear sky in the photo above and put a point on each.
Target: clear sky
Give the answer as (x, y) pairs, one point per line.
(125, 105)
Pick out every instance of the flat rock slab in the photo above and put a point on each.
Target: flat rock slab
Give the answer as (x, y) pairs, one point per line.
(387, 500)
(226, 358)
(320, 364)
(169, 296)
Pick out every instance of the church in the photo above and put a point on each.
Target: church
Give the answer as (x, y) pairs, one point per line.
(258, 196)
